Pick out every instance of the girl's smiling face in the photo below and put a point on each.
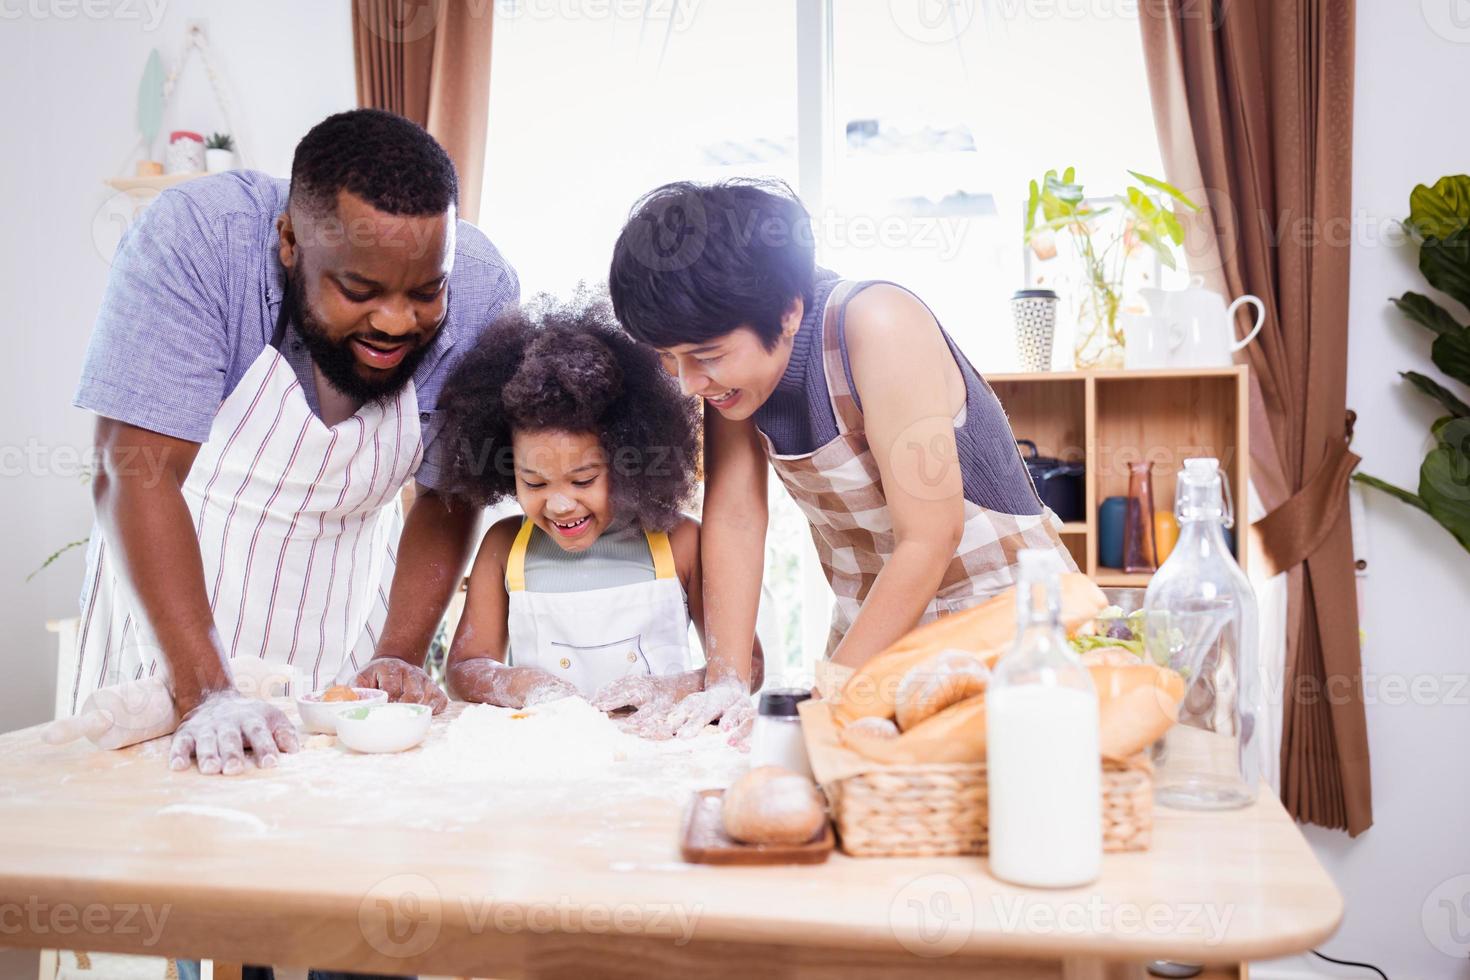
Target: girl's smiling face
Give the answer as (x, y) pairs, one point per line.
(563, 484)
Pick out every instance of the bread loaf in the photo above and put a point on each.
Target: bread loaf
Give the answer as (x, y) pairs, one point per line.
(985, 631)
(772, 805)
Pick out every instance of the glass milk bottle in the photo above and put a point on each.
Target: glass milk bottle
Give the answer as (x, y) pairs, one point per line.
(1042, 757)
(1201, 619)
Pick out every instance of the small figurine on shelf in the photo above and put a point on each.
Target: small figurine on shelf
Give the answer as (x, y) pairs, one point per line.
(219, 153)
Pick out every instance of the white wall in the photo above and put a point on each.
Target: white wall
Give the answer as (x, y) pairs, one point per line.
(1407, 129)
(70, 82)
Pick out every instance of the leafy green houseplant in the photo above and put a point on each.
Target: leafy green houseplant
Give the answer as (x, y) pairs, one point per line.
(1439, 220)
(220, 141)
(1056, 205)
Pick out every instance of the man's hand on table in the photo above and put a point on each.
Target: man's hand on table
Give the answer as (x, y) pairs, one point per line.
(402, 681)
(219, 728)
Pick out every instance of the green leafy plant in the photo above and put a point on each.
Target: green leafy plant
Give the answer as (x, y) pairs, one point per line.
(220, 141)
(1439, 220)
(1057, 205)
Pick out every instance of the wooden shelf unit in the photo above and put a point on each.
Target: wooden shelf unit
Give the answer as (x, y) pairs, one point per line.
(1107, 419)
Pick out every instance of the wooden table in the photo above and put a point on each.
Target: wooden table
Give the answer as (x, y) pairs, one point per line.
(110, 851)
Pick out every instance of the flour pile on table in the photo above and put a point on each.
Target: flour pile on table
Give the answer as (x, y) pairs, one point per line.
(563, 739)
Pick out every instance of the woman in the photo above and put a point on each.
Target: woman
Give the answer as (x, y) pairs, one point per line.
(894, 447)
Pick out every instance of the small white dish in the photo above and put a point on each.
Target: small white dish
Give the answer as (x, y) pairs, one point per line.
(383, 727)
(320, 716)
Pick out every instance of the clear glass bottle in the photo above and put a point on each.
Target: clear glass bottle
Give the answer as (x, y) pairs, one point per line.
(1042, 758)
(1202, 621)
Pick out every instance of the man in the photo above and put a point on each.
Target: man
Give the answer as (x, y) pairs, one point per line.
(265, 368)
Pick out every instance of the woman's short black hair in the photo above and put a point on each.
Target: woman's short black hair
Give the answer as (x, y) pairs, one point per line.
(567, 367)
(695, 261)
(390, 162)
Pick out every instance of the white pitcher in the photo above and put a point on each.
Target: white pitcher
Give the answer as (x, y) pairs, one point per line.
(1149, 341)
(1203, 324)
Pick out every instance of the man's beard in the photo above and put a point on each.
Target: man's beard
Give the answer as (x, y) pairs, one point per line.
(335, 359)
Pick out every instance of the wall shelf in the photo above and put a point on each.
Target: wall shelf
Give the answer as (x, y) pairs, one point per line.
(1107, 419)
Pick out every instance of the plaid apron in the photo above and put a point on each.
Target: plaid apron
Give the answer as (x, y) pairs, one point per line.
(839, 490)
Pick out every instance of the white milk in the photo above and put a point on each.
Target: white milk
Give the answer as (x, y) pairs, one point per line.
(1044, 773)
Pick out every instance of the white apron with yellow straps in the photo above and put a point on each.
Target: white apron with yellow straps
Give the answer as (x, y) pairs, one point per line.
(590, 639)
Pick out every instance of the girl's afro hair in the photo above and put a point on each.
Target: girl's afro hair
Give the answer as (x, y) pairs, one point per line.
(568, 367)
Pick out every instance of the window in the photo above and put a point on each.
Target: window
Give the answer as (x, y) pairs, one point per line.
(909, 127)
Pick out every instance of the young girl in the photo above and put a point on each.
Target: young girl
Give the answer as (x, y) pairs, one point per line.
(593, 590)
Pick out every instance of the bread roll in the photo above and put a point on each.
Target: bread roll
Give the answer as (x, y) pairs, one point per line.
(1136, 705)
(772, 805)
(870, 728)
(956, 734)
(1110, 657)
(944, 679)
(985, 631)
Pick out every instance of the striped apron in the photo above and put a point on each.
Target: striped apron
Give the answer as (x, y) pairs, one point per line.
(839, 489)
(298, 527)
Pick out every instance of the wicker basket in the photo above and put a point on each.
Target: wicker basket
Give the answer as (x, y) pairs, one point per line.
(941, 809)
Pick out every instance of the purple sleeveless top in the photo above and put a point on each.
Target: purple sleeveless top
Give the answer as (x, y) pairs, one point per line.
(798, 418)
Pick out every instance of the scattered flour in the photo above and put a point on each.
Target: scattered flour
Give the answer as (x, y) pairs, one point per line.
(217, 812)
(478, 764)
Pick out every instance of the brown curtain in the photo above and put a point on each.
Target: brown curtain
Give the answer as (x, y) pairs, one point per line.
(1253, 103)
(429, 60)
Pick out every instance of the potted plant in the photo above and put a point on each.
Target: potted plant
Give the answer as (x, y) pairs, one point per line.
(1439, 220)
(1057, 205)
(219, 153)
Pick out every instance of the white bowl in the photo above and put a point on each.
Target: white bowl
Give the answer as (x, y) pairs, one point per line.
(321, 716)
(383, 727)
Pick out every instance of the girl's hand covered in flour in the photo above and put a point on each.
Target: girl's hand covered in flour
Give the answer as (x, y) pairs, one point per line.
(217, 731)
(676, 707)
(489, 681)
(654, 697)
(727, 701)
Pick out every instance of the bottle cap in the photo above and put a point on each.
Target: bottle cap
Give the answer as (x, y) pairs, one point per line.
(781, 702)
(1199, 494)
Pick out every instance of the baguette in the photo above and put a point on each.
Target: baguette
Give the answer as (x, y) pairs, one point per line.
(983, 631)
(1136, 705)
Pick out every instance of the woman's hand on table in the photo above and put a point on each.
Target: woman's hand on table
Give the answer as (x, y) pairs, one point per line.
(217, 731)
(402, 681)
